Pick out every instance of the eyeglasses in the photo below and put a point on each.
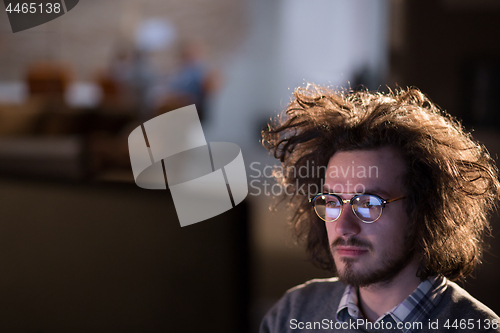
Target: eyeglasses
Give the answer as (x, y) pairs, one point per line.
(367, 207)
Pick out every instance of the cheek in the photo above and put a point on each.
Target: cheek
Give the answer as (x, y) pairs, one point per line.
(391, 230)
(390, 240)
(330, 230)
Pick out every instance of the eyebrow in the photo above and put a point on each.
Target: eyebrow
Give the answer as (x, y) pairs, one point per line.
(371, 190)
(378, 190)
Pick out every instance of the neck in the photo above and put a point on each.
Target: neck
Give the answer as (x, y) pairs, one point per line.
(377, 299)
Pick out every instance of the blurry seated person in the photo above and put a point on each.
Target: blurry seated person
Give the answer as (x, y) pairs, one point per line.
(402, 203)
(190, 84)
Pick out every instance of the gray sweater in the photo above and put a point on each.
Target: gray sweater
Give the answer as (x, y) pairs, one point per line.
(312, 307)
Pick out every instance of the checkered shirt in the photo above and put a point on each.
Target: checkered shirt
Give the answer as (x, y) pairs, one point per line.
(415, 308)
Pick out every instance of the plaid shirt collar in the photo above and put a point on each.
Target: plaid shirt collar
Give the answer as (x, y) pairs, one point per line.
(416, 307)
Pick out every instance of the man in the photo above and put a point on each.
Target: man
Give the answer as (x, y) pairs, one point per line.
(403, 205)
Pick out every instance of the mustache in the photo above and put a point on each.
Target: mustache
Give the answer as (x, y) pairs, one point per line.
(352, 241)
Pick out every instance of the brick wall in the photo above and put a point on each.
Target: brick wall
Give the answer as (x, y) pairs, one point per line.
(87, 35)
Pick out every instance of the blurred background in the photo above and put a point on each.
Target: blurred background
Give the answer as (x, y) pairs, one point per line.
(82, 249)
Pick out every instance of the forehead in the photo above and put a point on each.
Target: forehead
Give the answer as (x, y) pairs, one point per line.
(378, 170)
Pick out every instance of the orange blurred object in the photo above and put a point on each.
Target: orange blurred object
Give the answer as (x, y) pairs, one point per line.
(49, 78)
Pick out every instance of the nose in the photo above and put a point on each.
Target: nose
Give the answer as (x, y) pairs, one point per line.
(347, 224)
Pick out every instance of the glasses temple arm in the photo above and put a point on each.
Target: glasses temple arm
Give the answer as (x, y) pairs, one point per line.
(387, 201)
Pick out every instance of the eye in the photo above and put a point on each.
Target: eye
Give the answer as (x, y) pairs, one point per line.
(332, 204)
(367, 204)
(330, 201)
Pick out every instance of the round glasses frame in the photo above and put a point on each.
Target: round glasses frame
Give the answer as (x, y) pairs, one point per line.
(383, 202)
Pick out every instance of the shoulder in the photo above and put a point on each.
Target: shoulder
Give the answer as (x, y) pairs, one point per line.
(462, 303)
(458, 307)
(318, 288)
(314, 300)
(312, 294)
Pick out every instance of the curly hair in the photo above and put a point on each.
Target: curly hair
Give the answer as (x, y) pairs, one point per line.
(451, 181)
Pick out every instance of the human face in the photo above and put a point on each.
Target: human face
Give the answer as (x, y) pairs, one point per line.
(369, 253)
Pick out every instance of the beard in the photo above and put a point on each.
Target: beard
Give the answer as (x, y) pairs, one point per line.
(388, 269)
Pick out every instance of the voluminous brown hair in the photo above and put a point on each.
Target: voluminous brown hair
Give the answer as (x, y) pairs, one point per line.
(451, 182)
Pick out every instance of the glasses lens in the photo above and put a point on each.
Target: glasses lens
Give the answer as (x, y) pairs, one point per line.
(328, 207)
(367, 208)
